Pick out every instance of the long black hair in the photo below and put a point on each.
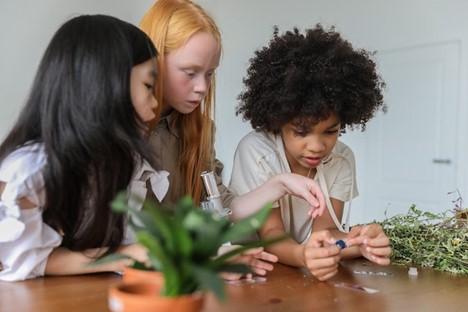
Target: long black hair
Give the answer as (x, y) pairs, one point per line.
(80, 109)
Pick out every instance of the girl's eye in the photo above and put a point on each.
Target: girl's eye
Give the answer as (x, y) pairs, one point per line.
(149, 86)
(331, 132)
(210, 74)
(190, 74)
(299, 133)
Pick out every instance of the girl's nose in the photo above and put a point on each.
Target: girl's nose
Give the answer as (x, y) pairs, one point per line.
(315, 144)
(201, 85)
(155, 104)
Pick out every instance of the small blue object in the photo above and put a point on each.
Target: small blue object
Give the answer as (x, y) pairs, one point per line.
(341, 244)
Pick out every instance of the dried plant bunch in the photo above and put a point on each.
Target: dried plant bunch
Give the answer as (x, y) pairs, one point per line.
(438, 241)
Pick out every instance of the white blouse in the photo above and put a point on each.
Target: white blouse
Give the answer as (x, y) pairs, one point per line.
(25, 240)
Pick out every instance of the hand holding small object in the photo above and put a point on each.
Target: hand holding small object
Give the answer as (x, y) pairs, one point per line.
(321, 256)
(372, 242)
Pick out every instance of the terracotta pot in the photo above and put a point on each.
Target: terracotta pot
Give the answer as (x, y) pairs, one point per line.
(144, 297)
(131, 275)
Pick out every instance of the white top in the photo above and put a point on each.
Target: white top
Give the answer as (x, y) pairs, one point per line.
(25, 240)
(260, 156)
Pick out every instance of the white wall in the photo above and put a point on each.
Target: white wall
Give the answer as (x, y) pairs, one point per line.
(26, 27)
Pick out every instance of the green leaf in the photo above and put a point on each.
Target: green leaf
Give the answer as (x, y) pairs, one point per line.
(119, 204)
(143, 220)
(182, 239)
(210, 280)
(142, 266)
(235, 268)
(162, 225)
(206, 232)
(156, 264)
(194, 220)
(189, 282)
(169, 270)
(111, 258)
(184, 206)
(247, 226)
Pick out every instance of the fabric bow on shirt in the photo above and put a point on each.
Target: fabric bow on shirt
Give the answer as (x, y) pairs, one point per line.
(137, 189)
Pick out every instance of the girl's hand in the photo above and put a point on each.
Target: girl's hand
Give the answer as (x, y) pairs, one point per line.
(321, 255)
(307, 189)
(136, 251)
(372, 242)
(258, 259)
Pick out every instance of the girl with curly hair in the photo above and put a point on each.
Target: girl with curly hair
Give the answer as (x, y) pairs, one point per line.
(301, 91)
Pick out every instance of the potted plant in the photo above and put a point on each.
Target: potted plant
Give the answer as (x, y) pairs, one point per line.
(183, 246)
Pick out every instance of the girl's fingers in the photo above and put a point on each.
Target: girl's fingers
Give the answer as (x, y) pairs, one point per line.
(324, 269)
(267, 256)
(378, 242)
(320, 239)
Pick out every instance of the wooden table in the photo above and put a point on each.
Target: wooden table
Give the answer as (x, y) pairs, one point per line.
(286, 289)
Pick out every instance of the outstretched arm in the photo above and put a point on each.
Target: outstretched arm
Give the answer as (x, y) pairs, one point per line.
(275, 188)
(63, 261)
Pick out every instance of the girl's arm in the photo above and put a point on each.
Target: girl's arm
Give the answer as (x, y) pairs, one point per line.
(63, 261)
(288, 251)
(275, 188)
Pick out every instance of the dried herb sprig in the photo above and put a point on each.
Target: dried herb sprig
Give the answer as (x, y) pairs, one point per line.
(438, 241)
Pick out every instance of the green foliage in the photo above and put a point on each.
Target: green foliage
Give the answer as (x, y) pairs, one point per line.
(438, 241)
(183, 245)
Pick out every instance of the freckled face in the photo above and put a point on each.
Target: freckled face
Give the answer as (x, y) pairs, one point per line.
(188, 73)
(142, 86)
(305, 149)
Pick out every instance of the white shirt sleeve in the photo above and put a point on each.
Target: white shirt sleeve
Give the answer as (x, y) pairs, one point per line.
(25, 246)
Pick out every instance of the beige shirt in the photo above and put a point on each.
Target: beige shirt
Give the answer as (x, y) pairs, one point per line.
(260, 156)
(164, 141)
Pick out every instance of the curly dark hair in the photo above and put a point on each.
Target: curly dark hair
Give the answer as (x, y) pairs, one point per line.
(310, 76)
